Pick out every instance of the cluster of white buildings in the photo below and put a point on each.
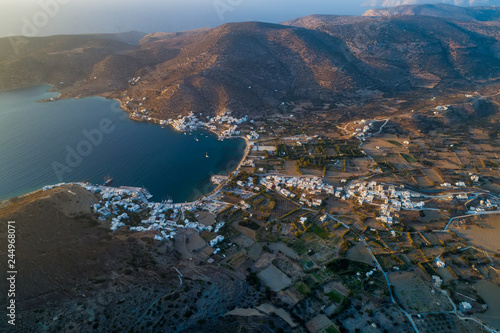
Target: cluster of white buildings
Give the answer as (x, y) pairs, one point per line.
(191, 122)
(461, 196)
(314, 202)
(229, 132)
(459, 184)
(249, 162)
(216, 240)
(253, 135)
(367, 274)
(362, 131)
(484, 205)
(244, 205)
(162, 216)
(218, 226)
(118, 203)
(465, 306)
(133, 81)
(300, 137)
(186, 123)
(113, 200)
(143, 113)
(116, 222)
(118, 199)
(392, 199)
(248, 183)
(473, 177)
(218, 179)
(226, 118)
(440, 263)
(312, 185)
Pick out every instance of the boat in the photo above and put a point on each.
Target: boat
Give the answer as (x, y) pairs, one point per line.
(206, 155)
(196, 139)
(146, 193)
(107, 180)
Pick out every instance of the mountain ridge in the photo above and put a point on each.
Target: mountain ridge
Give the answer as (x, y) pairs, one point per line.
(440, 10)
(261, 68)
(464, 3)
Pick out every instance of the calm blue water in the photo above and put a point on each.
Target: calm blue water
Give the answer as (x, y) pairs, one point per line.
(45, 143)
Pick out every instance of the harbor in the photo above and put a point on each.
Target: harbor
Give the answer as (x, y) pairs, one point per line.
(167, 162)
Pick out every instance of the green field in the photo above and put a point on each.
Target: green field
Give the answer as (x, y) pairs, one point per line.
(302, 288)
(300, 247)
(320, 232)
(409, 158)
(331, 329)
(394, 142)
(335, 296)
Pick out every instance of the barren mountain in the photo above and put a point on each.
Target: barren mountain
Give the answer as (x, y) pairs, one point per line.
(440, 10)
(465, 3)
(75, 275)
(254, 67)
(71, 62)
(257, 68)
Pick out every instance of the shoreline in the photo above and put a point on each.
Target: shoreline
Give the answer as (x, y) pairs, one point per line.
(222, 184)
(6, 201)
(165, 123)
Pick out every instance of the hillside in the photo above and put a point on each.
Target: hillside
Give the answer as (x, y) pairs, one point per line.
(70, 62)
(440, 10)
(465, 3)
(372, 142)
(261, 69)
(254, 67)
(74, 274)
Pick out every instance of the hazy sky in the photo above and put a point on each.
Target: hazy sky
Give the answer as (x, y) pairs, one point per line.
(48, 17)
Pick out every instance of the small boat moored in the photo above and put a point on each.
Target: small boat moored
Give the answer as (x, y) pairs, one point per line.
(107, 180)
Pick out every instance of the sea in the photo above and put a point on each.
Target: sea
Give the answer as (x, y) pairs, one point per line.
(88, 139)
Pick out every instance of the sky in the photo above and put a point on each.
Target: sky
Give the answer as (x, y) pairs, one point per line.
(49, 17)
